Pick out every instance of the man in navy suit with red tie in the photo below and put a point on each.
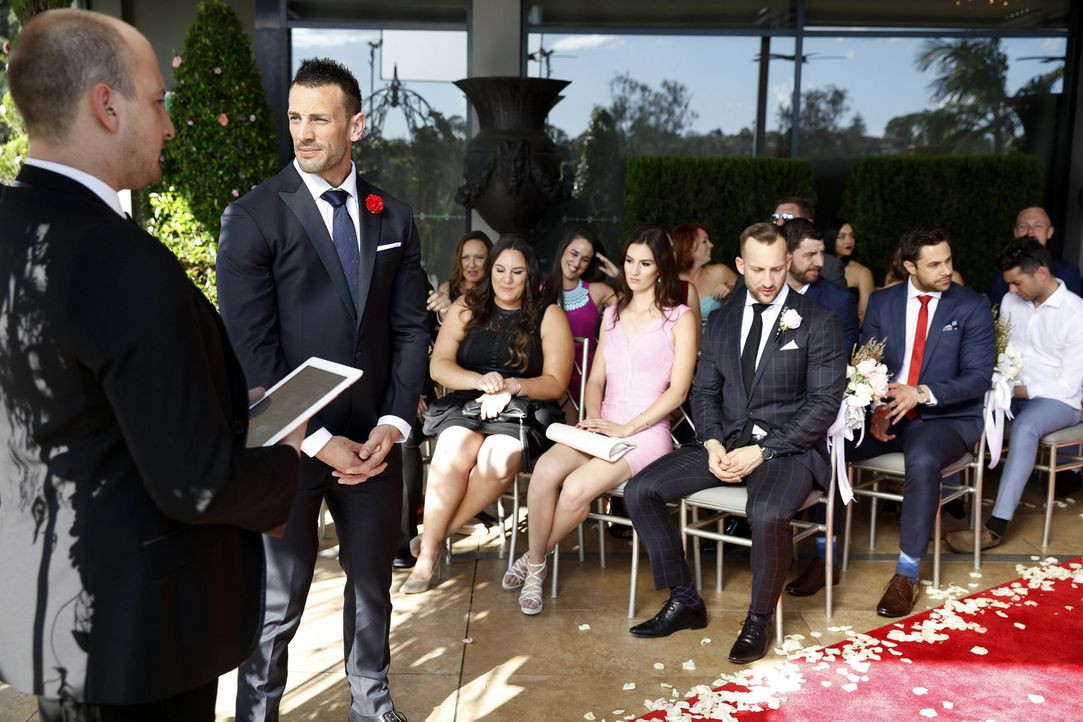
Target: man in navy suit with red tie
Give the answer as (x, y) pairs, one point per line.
(940, 351)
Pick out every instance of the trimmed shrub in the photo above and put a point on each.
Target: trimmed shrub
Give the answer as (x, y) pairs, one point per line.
(225, 141)
(725, 194)
(975, 198)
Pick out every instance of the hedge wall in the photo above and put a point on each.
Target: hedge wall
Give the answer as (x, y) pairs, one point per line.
(725, 194)
(975, 198)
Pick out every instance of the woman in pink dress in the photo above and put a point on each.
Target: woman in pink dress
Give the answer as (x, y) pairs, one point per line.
(642, 372)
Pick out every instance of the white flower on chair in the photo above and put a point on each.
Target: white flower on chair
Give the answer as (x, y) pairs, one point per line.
(789, 320)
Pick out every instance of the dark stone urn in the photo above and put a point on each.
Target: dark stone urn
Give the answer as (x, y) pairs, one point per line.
(512, 170)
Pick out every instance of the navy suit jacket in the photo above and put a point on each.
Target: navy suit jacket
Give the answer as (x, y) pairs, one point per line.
(1064, 270)
(284, 298)
(843, 303)
(960, 348)
(795, 393)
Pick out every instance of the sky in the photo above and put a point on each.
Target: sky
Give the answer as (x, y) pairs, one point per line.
(719, 72)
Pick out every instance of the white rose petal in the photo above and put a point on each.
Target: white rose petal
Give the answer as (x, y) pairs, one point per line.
(920, 691)
(948, 705)
(1036, 698)
(979, 650)
(1020, 625)
(628, 686)
(689, 666)
(826, 683)
(928, 712)
(589, 716)
(584, 627)
(659, 665)
(468, 640)
(705, 640)
(849, 687)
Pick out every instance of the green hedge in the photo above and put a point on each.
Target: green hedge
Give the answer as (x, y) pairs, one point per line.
(725, 194)
(975, 198)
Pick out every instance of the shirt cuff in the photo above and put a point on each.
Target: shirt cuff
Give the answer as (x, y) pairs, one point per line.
(932, 396)
(315, 441)
(403, 427)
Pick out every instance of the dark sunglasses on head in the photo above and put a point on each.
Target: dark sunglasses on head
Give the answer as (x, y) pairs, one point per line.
(776, 217)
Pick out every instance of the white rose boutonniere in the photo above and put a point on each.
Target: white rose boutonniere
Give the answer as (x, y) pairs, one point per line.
(789, 320)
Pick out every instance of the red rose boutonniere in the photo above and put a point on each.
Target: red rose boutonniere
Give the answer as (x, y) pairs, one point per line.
(374, 203)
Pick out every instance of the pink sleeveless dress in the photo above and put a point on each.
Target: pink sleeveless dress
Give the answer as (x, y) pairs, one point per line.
(637, 372)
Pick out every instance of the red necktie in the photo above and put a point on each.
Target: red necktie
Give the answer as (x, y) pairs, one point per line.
(918, 353)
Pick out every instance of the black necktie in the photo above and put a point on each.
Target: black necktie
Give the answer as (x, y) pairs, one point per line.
(752, 346)
(344, 237)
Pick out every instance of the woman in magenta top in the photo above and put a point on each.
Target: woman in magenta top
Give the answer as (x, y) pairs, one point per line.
(642, 372)
(577, 258)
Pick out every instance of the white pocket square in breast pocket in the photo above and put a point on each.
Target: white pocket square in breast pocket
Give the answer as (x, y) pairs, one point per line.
(791, 346)
(388, 246)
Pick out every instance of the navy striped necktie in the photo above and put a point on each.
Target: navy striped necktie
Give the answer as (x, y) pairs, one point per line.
(344, 237)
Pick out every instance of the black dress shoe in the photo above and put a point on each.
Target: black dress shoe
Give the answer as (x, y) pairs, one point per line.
(403, 559)
(1067, 483)
(753, 641)
(673, 617)
(812, 580)
(392, 716)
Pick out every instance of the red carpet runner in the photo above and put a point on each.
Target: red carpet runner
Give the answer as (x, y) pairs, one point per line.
(1009, 653)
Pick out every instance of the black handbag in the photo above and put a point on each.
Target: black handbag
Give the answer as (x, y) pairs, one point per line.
(517, 410)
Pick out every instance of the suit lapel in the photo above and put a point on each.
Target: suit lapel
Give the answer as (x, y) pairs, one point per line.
(731, 344)
(370, 239)
(775, 336)
(300, 202)
(896, 336)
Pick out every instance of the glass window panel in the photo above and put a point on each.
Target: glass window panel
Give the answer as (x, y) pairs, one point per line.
(928, 95)
(941, 14)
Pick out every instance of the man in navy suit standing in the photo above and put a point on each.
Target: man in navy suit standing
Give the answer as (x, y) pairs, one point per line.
(940, 351)
(768, 385)
(317, 262)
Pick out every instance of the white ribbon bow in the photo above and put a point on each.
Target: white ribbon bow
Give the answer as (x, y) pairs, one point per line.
(998, 404)
(837, 436)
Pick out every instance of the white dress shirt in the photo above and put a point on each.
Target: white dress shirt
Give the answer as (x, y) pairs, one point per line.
(317, 186)
(1050, 338)
(99, 187)
(770, 324)
(913, 309)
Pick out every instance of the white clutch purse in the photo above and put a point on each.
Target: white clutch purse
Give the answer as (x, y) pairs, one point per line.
(610, 448)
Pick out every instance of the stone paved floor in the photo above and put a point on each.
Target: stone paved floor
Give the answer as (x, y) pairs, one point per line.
(545, 668)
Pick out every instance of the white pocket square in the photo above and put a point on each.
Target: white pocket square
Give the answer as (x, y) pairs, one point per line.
(791, 346)
(953, 326)
(388, 246)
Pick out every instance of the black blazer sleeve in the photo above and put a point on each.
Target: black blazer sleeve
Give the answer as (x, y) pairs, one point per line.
(247, 297)
(707, 387)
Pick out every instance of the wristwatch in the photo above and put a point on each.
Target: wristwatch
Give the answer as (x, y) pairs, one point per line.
(923, 395)
(767, 453)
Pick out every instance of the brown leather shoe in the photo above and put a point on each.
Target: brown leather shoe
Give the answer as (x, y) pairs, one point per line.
(962, 541)
(812, 579)
(899, 597)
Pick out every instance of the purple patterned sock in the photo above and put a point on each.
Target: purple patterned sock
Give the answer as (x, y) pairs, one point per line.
(686, 594)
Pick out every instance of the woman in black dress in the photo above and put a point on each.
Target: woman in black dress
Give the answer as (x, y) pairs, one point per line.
(499, 342)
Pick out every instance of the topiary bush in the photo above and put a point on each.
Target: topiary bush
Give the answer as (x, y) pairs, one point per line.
(975, 198)
(726, 194)
(225, 142)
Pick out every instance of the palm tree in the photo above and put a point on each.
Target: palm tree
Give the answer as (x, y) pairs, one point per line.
(971, 84)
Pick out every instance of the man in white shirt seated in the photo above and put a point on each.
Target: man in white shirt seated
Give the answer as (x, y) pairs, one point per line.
(1047, 328)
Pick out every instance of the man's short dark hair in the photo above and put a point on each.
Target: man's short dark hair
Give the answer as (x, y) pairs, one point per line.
(797, 230)
(1026, 254)
(804, 206)
(765, 233)
(316, 72)
(911, 242)
(59, 55)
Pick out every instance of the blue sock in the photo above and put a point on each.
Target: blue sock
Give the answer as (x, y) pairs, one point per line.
(907, 566)
(686, 594)
(821, 547)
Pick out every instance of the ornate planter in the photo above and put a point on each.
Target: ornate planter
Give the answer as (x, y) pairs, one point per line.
(512, 168)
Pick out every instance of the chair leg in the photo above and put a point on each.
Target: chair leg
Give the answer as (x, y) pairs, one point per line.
(718, 558)
(778, 622)
(936, 548)
(503, 539)
(634, 583)
(829, 562)
(979, 486)
(601, 535)
(556, 571)
(514, 520)
(696, 553)
(582, 544)
(846, 539)
(1050, 492)
(872, 517)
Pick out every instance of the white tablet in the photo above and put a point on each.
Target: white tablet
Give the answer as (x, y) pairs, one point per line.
(296, 398)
